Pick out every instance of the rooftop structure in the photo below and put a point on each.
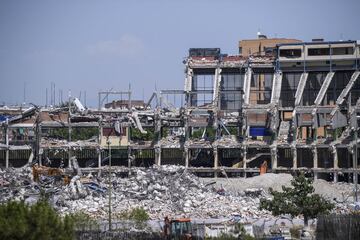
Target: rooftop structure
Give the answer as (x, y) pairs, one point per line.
(262, 45)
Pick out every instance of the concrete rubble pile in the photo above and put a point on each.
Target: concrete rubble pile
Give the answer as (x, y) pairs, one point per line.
(342, 194)
(161, 191)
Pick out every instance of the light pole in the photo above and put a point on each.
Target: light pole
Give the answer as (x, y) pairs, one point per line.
(109, 149)
(356, 161)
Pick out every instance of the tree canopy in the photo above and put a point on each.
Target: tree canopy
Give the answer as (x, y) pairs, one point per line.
(297, 200)
(39, 222)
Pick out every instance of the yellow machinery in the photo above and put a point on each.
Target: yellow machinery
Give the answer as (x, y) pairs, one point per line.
(48, 171)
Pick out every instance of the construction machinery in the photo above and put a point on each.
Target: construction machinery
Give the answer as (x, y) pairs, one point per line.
(48, 171)
(178, 229)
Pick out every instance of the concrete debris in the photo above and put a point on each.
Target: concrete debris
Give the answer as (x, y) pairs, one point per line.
(342, 194)
(162, 191)
(56, 143)
(227, 141)
(170, 142)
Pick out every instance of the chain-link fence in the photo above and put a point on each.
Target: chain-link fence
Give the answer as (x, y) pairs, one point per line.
(334, 227)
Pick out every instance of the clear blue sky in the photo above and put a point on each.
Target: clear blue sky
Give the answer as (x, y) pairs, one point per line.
(98, 45)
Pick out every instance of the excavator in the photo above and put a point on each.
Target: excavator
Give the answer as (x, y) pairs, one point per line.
(48, 171)
(38, 171)
(178, 229)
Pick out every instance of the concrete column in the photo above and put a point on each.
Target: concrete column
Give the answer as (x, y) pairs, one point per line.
(335, 157)
(244, 161)
(216, 161)
(187, 155)
(99, 158)
(158, 156)
(315, 157)
(40, 156)
(274, 157)
(244, 158)
(7, 147)
(335, 177)
(31, 157)
(294, 157)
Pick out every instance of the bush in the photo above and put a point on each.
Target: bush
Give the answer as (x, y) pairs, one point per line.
(83, 221)
(39, 221)
(138, 215)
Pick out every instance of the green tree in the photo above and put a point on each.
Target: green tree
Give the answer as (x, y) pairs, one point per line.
(138, 215)
(297, 200)
(38, 222)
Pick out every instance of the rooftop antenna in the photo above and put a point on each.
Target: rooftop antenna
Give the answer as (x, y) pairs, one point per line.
(24, 93)
(59, 96)
(54, 96)
(51, 93)
(46, 101)
(258, 32)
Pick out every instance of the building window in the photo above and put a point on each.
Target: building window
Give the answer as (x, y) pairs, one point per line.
(269, 50)
(318, 51)
(290, 53)
(203, 86)
(261, 84)
(342, 51)
(231, 82)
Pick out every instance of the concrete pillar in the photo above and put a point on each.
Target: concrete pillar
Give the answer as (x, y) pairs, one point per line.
(158, 156)
(244, 158)
(40, 156)
(31, 157)
(335, 157)
(244, 161)
(274, 158)
(315, 157)
(355, 177)
(335, 177)
(7, 147)
(99, 158)
(294, 157)
(216, 161)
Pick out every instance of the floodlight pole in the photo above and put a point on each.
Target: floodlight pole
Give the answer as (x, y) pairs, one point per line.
(109, 149)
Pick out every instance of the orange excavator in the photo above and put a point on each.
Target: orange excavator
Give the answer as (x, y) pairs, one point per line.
(178, 229)
(48, 171)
